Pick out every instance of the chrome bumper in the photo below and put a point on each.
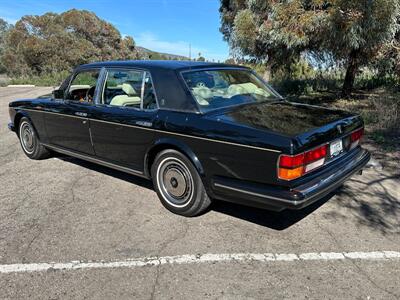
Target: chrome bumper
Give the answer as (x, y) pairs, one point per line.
(278, 198)
(11, 126)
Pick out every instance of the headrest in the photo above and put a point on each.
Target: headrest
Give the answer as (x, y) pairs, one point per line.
(236, 89)
(203, 92)
(128, 89)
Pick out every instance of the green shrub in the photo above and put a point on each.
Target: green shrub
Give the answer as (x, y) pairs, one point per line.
(51, 79)
(297, 87)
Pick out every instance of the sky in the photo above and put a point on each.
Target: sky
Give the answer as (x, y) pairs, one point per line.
(160, 25)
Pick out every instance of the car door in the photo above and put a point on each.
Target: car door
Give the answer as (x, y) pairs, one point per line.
(67, 121)
(121, 125)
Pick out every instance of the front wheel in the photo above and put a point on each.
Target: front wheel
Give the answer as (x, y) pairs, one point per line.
(178, 184)
(30, 142)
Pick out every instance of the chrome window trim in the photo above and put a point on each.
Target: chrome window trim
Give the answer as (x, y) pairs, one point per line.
(142, 90)
(103, 83)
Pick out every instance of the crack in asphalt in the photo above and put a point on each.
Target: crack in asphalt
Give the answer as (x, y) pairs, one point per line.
(153, 290)
(341, 248)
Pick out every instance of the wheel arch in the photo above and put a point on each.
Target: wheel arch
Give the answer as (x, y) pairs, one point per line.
(170, 143)
(17, 119)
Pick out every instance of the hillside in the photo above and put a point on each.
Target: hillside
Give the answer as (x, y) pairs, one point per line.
(149, 54)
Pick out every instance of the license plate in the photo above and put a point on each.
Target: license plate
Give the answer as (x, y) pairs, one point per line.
(336, 147)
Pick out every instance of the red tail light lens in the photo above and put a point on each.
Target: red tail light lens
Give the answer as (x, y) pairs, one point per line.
(315, 154)
(294, 166)
(288, 161)
(355, 138)
(357, 135)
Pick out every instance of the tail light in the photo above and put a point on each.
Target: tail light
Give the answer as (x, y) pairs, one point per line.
(355, 137)
(294, 166)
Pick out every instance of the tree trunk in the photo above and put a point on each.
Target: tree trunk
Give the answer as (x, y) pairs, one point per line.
(351, 72)
(268, 72)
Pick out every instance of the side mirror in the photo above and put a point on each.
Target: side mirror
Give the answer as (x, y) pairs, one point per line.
(58, 94)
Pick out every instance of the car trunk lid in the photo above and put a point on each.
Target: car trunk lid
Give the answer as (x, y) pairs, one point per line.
(308, 126)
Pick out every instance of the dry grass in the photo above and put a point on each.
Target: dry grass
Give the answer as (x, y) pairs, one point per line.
(380, 110)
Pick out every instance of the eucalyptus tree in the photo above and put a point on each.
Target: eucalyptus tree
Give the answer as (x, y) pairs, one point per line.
(4, 28)
(56, 42)
(352, 32)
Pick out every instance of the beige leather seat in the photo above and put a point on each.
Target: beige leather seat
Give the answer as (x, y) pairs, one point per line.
(201, 94)
(242, 88)
(131, 97)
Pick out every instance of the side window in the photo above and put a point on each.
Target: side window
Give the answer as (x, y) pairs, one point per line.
(83, 86)
(149, 95)
(123, 88)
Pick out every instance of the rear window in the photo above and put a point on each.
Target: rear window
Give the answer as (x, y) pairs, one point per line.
(215, 89)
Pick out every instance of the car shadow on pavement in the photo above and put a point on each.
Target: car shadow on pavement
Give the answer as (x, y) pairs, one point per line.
(273, 220)
(372, 203)
(108, 171)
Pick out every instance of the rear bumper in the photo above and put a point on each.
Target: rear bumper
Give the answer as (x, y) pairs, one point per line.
(279, 198)
(11, 126)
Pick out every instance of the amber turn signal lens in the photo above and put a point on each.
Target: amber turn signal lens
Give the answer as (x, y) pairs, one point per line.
(290, 174)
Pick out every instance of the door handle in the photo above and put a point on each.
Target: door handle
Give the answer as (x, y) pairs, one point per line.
(81, 114)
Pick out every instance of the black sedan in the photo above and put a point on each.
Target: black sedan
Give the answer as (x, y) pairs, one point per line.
(200, 131)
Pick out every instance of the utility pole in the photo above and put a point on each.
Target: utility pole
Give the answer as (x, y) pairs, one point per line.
(190, 51)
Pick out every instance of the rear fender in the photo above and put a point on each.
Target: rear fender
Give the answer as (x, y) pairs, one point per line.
(171, 143)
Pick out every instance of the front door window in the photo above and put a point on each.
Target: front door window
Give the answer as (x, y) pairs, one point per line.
(83, 86)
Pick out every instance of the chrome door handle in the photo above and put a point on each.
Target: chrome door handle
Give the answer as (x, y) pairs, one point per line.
(81, 114)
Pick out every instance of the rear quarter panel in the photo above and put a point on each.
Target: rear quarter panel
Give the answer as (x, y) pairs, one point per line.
(225, 150)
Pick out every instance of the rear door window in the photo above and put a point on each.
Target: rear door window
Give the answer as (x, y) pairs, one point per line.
(123, 88)
(149, 94)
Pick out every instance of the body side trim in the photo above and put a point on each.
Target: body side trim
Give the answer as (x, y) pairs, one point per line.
(161, 131)
(95, 160)
(295, 202)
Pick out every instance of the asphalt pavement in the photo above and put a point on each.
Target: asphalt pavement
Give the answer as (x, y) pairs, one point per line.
(72, 229)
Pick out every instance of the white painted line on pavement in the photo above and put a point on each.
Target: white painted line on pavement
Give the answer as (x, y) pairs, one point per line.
(21, 85)
(201, 258)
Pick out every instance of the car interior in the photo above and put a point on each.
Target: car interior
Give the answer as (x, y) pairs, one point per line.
(122, 88)
(214, 88)
(83, 86)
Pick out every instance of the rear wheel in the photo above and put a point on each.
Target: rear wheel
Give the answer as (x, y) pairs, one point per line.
(30, 142)
(178, 184)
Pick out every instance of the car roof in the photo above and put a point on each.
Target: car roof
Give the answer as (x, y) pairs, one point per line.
(164, 76)
(160, 64)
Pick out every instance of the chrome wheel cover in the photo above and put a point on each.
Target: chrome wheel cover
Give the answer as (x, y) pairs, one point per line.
(175, 182)
(27, 136)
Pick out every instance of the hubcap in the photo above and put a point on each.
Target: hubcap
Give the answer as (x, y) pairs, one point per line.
(27, 138)
(175, 182)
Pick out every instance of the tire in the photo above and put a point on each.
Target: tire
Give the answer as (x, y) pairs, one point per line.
(30, 142)
(178, 184)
